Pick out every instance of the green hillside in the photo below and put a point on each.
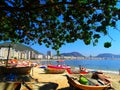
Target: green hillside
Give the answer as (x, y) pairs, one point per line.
(18, 46)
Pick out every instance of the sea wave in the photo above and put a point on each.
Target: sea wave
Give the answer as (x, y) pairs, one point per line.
(104, 71)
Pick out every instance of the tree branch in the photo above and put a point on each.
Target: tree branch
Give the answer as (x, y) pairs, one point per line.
(40, 7)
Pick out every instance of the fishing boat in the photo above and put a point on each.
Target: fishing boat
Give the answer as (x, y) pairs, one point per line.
(15, 70)
(75, 85)
(59, 66)
(13, 67)
(70, 71)
(54, 70)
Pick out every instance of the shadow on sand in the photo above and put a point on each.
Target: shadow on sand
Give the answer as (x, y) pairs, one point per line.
(53, 86)
(67, 88)
(49, 86)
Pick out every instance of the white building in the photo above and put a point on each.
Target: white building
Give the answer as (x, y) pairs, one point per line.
(22, 52)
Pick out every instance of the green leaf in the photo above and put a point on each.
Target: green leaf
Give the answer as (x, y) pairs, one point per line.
(107, 44)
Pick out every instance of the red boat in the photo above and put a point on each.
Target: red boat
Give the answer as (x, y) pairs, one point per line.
(52, 70)
(76, 72)
(59, 66)
(56, 69)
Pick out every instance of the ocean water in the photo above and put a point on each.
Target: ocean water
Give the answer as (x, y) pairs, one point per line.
(112, 66)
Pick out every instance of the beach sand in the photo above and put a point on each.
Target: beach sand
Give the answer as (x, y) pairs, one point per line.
(59, 81)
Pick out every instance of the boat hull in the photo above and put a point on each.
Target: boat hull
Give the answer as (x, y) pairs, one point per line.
(15, 70)
(76, 72)
(77, 86)
(59, 66)
(49, 70)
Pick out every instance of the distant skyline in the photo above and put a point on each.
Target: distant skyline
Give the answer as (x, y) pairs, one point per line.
(88, 50)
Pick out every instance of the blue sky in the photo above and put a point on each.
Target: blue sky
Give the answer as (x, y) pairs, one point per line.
(87, 50)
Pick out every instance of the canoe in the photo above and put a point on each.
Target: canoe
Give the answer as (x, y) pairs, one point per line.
(15, 70)
(76, 72)
(75, 85)
(52, 70)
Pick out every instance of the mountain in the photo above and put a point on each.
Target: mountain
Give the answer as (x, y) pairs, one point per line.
(108, 55)
(102, 55)
(75, 54)
(18, 46)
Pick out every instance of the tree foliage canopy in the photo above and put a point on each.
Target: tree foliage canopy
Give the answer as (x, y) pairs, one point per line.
(56, 22)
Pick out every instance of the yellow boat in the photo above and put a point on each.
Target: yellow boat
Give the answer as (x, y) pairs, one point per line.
(49, 70)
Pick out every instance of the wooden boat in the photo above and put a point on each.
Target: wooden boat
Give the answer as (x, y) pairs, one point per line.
(15, 70)
(59, 66)
(76, 72)
(54, 70)
(62, 64)
(11, 66)
(75, 85)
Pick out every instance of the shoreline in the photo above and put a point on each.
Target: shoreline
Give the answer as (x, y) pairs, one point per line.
(97, 66)
(90, 69)
(106, 71)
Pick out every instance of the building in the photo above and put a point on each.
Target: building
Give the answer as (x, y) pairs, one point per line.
(20, 51)
(49, 54)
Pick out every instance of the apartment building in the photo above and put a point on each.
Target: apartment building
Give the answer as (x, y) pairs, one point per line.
(19, 51)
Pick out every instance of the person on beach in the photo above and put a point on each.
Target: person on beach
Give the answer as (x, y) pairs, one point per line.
(14, 61)
(82, 68)
(105, 79)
